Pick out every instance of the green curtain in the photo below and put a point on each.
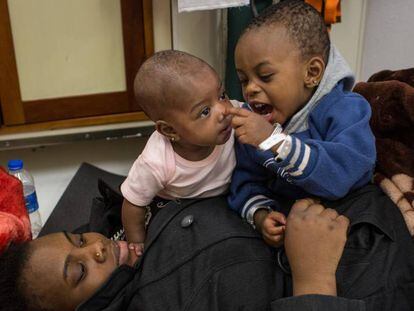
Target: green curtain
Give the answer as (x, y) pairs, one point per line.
(237, 19)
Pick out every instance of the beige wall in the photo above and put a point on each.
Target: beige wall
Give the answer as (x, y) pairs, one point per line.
(65, 48)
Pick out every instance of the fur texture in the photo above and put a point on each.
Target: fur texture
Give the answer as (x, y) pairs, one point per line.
(391, 95)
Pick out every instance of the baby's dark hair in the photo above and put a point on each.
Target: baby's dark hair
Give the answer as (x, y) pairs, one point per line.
(13, 287)
(303, 23)
(159, 75)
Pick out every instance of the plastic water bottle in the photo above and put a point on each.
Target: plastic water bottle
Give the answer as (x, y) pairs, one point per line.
(16, 169)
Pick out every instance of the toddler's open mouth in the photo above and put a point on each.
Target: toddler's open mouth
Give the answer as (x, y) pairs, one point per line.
(264, 110)
(260, 108)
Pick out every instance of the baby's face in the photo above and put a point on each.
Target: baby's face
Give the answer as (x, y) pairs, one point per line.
(199, 118)
(271, 73)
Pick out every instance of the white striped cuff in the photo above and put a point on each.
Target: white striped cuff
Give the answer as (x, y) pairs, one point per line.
(298, 158)
(255, 201)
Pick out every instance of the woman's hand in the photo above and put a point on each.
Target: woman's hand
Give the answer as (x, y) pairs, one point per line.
(314, 241)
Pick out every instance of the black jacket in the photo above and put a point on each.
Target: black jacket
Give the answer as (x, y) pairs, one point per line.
(199, 255)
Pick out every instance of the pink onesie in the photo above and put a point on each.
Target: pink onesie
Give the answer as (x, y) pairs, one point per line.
(160, 171)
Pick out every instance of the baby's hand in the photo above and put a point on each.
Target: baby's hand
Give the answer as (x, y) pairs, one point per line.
(273, 229)
(138, 247)
(250, 128)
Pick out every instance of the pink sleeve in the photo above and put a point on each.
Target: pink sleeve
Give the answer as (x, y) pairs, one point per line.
(143, 183)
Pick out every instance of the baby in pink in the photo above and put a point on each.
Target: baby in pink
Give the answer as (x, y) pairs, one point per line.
(161, 171)
(191, 152)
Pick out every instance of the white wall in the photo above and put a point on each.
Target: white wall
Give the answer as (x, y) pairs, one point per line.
(200, 33)
(388, 40)
(348, 35)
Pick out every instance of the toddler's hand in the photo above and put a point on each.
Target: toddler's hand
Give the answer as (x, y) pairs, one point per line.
(138, 247)
(250, 128)
(273, 229)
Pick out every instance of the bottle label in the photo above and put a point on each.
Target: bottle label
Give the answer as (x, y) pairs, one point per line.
(31, 202)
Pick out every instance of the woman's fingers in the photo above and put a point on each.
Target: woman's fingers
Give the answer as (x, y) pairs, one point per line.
(330, 213)
(343, 221)
(316, 208)
(303, 204)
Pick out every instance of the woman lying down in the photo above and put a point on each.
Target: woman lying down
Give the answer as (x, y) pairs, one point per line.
(200, 256)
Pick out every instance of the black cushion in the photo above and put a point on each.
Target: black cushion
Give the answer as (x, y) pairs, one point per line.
(73, 209)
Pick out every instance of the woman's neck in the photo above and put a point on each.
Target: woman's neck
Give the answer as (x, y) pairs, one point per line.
(192, 152)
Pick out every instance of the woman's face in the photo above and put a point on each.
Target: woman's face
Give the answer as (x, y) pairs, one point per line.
(65, 269)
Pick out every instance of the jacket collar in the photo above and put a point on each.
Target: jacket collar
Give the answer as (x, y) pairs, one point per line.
(113, 294)
(110, 296)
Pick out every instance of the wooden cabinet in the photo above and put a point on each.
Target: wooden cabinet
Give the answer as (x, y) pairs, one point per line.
(23, 111)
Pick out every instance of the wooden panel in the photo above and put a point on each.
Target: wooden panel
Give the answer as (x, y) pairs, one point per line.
(148, 28)
(76, 106)
(138, 45)
(10, 98)
(63, 124)
(134, 48)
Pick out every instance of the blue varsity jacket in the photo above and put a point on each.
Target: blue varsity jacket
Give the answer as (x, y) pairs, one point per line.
(332, 156)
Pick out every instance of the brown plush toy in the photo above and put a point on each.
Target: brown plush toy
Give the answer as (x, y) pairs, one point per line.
(392, 123)
(404, 75)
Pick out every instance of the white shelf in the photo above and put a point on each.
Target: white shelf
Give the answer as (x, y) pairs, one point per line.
(53, 137)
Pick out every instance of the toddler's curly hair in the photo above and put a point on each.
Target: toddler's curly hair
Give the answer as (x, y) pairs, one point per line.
(303, 23)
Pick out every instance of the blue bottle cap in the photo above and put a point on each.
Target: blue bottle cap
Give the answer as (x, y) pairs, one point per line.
(15, 165)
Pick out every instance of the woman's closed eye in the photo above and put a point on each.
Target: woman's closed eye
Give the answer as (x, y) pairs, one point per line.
(75, 270)
(80, 266)
(81, 272)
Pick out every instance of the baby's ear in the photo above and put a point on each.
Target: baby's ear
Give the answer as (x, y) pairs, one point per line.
(314, 69)
(167, 130)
